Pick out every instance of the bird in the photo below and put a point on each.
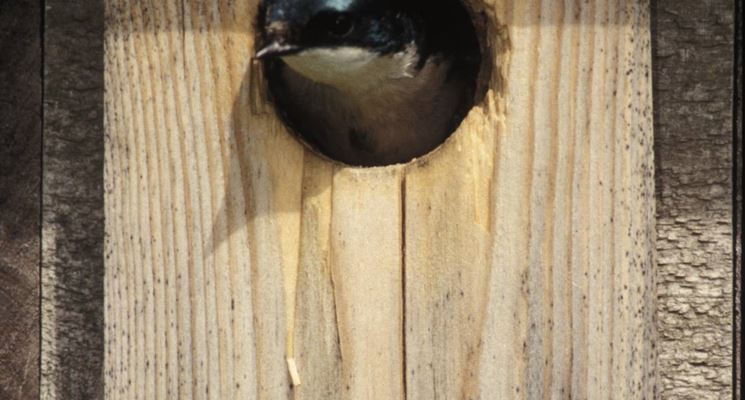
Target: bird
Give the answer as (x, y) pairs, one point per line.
(369, 82)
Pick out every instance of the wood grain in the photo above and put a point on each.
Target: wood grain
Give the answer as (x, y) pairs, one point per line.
(516, 261)
(72, 260)
(20, 189)
(694, 141)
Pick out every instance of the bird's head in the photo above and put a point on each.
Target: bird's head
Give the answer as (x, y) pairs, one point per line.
(339, 40)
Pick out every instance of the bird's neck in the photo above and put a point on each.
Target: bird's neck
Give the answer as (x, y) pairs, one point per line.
(353, 69)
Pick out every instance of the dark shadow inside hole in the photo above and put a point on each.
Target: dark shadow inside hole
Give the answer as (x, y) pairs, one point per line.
(373, 86)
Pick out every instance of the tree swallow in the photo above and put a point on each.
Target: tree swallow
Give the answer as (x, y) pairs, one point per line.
(370, 82)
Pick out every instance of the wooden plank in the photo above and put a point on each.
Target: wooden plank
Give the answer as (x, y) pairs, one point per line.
(738, 199)
(553, 223)
(317, 348)
(72, 202)
(366, 268)
(20, 172)
(514, 262)
(694, 139)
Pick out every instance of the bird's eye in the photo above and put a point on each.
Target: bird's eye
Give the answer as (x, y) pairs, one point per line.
(340, 25)
(329, 25)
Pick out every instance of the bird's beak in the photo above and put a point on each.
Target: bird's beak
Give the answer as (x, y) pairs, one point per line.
(276, 49)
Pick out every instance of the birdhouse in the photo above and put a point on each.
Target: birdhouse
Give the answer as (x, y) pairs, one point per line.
(513, 261)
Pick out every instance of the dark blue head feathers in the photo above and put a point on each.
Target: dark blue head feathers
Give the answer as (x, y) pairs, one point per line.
(382, 25)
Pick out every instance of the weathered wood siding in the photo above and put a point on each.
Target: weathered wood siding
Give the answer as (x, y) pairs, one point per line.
(72, 202)
(693, 138)
(20, 175)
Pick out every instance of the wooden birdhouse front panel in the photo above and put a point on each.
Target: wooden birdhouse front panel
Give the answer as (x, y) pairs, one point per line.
(516, 261)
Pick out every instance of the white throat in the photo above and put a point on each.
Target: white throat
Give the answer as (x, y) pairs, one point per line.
(352, 68)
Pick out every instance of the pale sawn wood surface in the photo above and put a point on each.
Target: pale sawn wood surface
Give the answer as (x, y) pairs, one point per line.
(514, 262)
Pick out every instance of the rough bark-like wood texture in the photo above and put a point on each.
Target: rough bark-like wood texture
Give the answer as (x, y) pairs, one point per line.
(20, 165)
(514, 262)
(693, 100)
(72, 221)
(738, 199)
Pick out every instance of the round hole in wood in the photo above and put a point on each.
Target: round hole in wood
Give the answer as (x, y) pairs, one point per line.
(376, 87)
